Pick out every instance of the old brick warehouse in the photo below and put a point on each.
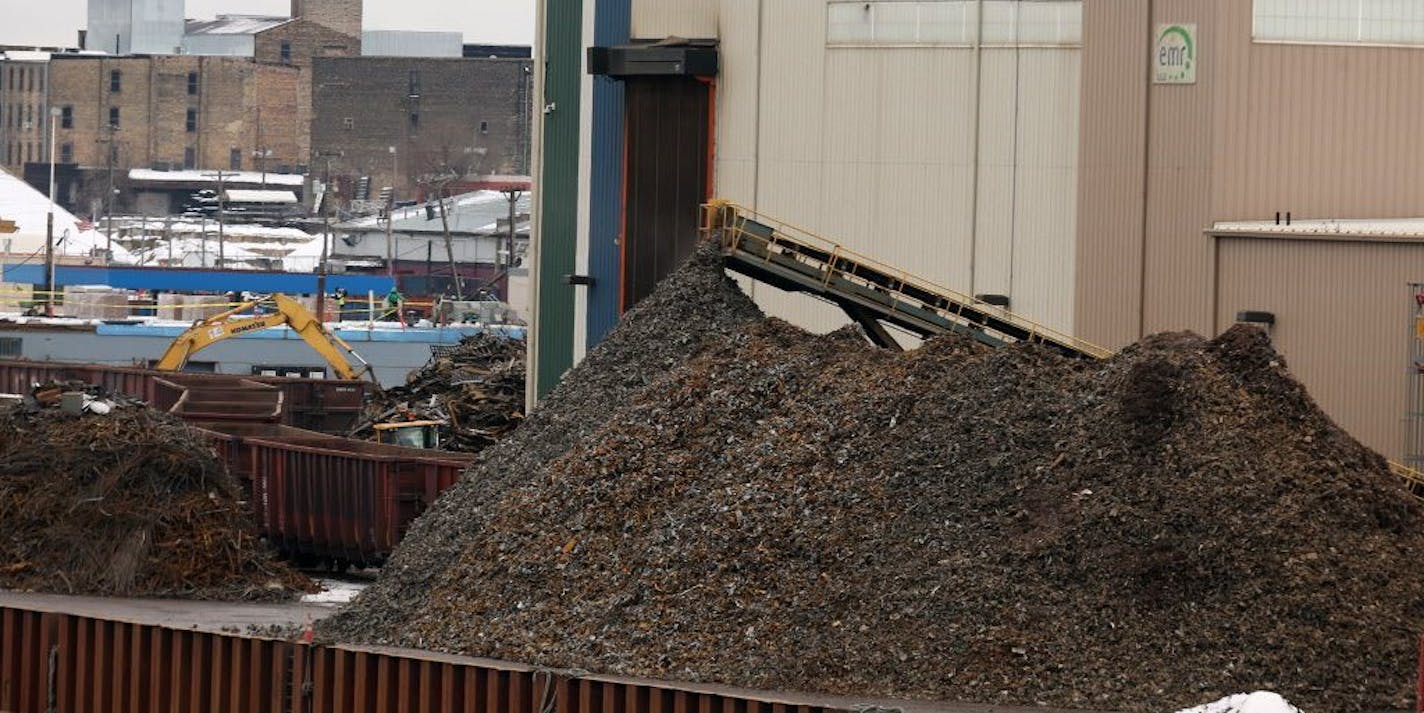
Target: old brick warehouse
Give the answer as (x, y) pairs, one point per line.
(469, 115)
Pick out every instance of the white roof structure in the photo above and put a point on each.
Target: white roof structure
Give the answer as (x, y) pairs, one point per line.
(1349, 228)
(473, 212)
(29, 209)
(238, 195)
(234, 177)
(26, 55)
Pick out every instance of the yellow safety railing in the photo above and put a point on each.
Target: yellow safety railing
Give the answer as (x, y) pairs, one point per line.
(1413, 479)
(726, 217)
(30, 298)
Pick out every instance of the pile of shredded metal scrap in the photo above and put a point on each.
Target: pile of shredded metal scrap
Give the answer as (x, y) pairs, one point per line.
(101, 495)
(475, 390)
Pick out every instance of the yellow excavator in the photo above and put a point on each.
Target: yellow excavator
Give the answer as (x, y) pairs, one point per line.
(286, 311)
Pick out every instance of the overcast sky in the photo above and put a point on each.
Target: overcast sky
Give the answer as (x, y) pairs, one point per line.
(55, 22)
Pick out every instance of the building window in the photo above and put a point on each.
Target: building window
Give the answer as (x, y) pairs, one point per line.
(234, 159)
(190, 123)
(286, 51)
(414, 83)
(116, 81)
(114, 117)
(1338, 21)
(66, 153)
(414, 122)
(10, 347)
(484, 127)
(190, 158)
(66, 117)
(348, 123)
(954, 23)
(192, 84)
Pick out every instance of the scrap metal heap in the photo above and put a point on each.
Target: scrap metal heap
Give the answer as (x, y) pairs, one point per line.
(718, 497)
(476, 388)
(121, 499)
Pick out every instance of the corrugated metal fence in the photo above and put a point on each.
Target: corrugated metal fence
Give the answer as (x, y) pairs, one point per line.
(63, 663)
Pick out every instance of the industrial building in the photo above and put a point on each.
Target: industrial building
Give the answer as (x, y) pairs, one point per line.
(396, 120)
(1109, 169)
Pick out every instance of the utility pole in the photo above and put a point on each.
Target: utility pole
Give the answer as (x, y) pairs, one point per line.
(325, 232)
(49, 221)
(390, 216)
(222, 213)
(261, 150)
(109, 210)
(513, 194)
(449, 243)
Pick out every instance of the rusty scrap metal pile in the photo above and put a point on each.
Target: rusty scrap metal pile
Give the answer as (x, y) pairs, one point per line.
(475, 388)
(123, 500)
(718, 497)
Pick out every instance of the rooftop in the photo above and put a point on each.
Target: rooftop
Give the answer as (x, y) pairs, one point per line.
(234, 25)
(29, 209)
(211, 177)
(468, 213)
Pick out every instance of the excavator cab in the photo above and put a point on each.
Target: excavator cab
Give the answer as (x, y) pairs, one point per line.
(411, 434)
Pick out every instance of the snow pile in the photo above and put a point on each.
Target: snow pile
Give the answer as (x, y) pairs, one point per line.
(1258, 702)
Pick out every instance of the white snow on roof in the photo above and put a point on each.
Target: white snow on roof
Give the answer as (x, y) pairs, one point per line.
(470, 212)
(192, 176)
(1355, 227)
(26, 55)
(234, 25)
(255, 196)
(29, 209)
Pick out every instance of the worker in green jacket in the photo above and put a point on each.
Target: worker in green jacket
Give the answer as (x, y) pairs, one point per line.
(395, 302)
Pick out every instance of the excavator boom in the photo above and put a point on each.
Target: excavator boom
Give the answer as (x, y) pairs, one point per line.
(288, 311)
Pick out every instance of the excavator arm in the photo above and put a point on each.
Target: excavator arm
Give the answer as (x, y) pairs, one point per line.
(288, 311)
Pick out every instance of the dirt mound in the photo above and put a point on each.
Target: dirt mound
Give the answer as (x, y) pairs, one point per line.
(131, 502)
(786, 511)
(476, 388)
(696, 306)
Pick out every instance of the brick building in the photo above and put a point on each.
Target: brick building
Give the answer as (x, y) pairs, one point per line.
(24, 77)
(467, 115)
(253, 92)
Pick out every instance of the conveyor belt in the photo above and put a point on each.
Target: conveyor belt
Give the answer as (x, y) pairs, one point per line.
(793, 259)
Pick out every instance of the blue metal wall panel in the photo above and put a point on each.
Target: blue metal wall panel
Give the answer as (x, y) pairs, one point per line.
(148, 278)
(612, 19)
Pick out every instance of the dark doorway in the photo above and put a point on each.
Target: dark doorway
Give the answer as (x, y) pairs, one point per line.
(665, 178)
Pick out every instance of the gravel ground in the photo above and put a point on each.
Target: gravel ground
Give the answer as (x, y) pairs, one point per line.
(767, 508)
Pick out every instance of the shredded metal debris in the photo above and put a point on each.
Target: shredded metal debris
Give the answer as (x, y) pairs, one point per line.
(715, 497)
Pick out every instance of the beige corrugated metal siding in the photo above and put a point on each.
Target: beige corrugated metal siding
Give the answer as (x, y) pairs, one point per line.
(656, 19)
(1342, 321)
(1323, 131)
(1108, 298)
(1177, 257)
(875, 147)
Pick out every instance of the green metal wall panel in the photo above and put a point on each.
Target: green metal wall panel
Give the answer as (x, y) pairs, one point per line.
(563, 48)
